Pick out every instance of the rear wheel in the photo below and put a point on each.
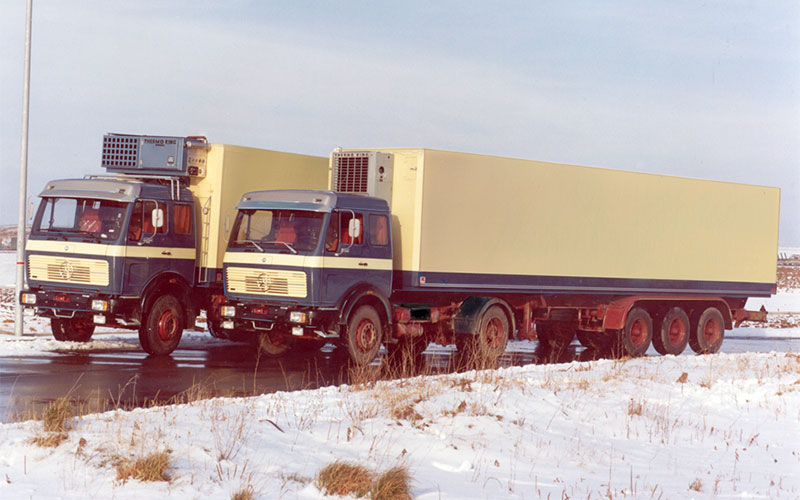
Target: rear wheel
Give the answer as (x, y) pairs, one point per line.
(708, 331)
(163, 329)
(364, 335)
(673, 332)
(634, 338)
(483, 348)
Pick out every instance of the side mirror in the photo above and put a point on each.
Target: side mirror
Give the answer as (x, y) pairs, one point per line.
(158, 218)
(354, 229)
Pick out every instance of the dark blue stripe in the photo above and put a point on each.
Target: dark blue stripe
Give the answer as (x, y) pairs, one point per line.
(504, 283)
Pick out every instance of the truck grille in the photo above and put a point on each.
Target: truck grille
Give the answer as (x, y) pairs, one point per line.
(262, 282)
(351, 174)
(72, 270)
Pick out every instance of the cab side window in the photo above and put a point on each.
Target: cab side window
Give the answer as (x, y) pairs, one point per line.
(378, 230)
(182, 219)
(141, 224)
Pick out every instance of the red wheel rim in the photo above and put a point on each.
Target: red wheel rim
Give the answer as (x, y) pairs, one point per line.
(677, 331)
(638, 333)
(167, 325)
(366, 335)
(494, 331)
(712, 331)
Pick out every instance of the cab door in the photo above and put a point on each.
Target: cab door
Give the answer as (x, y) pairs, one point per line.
(147, 251)
(376, 260)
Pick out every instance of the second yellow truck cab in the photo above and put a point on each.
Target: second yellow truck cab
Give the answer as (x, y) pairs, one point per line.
(484, 249)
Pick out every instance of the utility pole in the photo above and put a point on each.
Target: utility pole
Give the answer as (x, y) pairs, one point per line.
(23, 173)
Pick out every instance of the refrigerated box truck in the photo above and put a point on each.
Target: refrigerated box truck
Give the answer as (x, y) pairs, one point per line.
(142, 247)
(418, 245)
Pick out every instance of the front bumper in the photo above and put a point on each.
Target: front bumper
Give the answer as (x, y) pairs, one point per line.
(288, 319)
(99, 308)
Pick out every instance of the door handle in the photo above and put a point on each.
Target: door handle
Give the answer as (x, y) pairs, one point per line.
(363, 264)
(166, 252)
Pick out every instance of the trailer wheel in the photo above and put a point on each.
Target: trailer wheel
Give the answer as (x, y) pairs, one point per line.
(162, 331)
(364, 335)
(272, 344)
(673, 332)
(708, 332)
(634, 338)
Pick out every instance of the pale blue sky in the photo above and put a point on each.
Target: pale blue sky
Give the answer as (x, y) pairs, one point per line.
(699, 89)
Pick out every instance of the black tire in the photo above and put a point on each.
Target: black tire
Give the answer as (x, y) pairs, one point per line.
(593, 340)
(163, 328)
(57, 327)
(635, 337)
(271, 343)
(364, 335)
(554, 339)
(708, 332)
(78, 329)
(216, 330)
(672, 334)
(482, 349)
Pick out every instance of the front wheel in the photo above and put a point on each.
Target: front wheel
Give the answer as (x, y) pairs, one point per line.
(162, 331)
(364, 335)
(72, 329)
(272, 344)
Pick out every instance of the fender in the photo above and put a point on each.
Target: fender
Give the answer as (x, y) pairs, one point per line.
(355, 295)
(617, 311)
(165, 281)
(471, 311)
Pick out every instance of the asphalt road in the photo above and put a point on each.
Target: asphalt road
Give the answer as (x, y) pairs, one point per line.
(126, 378)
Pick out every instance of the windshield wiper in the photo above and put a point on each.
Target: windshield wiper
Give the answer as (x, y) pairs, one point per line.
(287, 245)
(253, 243)
(96, 238)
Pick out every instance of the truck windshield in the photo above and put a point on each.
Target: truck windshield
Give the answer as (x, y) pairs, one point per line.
(282, 231)
(92, 219)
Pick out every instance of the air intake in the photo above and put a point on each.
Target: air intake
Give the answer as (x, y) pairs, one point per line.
(362, 172)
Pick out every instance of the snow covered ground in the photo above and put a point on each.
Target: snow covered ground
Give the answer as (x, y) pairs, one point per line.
(721, 426)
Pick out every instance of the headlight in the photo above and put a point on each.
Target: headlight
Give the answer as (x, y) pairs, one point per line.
(28, 299)
(99, 305)
(227, 311)
(297, 317)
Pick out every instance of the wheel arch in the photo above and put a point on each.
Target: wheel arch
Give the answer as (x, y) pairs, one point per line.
(168, 284)
(468, 318)
(365, 294)
(617, 310)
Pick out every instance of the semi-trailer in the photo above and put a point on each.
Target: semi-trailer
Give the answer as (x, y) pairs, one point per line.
(409, 246)
(141, 247)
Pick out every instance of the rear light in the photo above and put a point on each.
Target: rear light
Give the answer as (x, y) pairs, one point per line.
(61, 298)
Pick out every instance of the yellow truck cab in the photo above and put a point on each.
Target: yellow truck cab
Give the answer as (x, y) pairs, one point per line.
(141, 248)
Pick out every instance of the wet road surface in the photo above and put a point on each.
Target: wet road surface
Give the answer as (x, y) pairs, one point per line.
(126, 377)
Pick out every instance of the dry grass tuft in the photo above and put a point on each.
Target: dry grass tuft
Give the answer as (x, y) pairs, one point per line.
(55, 424)
(696, 485)
(244, 494)
(152, 467)
(343, 478)
(394, 484)
(50, 440)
